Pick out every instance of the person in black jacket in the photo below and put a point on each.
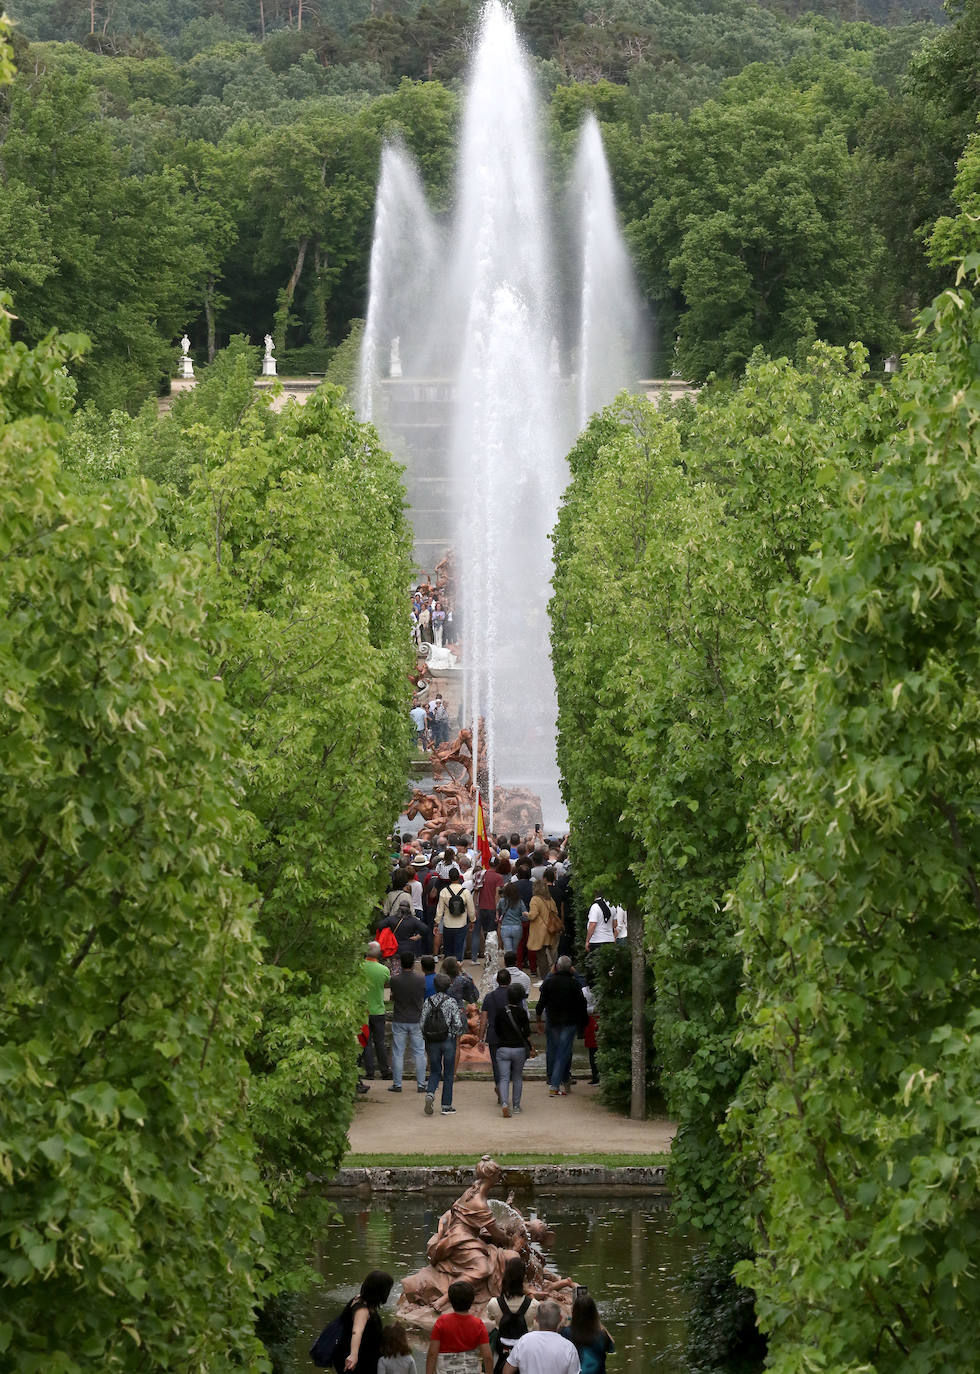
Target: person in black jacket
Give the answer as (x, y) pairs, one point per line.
(513, 1045)
(561, 1005)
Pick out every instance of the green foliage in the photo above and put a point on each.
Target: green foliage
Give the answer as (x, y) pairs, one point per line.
(298, 519)
(307, 552)
(673, 533)
(857, 1125)
(722, 1334)
(752, 232)
(613, 988)
(129, 1194)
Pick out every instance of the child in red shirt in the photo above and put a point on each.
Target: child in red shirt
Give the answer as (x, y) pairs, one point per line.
(459, 1343)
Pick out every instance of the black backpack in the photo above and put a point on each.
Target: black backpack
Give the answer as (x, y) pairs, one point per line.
(511, 1327)
(456, 906)
(436, 1027)
(332, 1346)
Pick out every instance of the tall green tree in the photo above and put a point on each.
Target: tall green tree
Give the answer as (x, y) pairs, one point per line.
(752, 233)
(131, 1208)
(299, 522)
(90, 245)
(858, 1124)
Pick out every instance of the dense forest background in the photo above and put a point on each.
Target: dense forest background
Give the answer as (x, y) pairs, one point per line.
(210, 165)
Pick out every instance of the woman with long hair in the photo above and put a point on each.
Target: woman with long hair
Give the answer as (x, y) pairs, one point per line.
(511, 913)
(513, 1032)
(362, 1318)
(543, 927)
(588, 1335)
(511, 1302)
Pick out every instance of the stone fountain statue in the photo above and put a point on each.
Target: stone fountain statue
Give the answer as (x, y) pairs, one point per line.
(186, 363)
(268, 361)
(473, 1241)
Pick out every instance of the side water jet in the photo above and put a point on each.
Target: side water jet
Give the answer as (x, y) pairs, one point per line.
(482, 320)
(613, 325)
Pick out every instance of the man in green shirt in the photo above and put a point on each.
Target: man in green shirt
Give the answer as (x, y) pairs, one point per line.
(376, 975)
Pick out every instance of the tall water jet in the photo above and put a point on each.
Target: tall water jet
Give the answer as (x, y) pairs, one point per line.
(485, 324)
(405, 252)
(614, 330)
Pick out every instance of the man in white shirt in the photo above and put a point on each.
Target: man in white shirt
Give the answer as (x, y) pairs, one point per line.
(601, 929)
(543, 1351)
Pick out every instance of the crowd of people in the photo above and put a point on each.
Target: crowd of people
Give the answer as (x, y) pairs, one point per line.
(434, 615)
(442, 904)
(519, 1334)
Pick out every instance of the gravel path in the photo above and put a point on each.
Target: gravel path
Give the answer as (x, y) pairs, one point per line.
(555, 1127)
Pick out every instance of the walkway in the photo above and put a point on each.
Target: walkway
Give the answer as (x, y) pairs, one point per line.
(554, 1127)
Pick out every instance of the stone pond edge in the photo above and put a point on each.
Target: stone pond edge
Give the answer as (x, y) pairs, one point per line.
(543, 1177)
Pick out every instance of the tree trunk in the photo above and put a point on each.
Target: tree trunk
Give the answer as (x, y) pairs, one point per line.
(638, 1049)
(209, 317)
(261, 18)
(286, 295)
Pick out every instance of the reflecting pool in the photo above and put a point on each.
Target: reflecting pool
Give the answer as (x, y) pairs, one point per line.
(622, 1248)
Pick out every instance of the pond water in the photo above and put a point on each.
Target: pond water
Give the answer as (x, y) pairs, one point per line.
(622, 1248)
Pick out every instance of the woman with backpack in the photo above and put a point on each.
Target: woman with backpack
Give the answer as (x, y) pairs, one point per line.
(351, 1343)
(442, 1023)
(510, 1316)
(453, 914)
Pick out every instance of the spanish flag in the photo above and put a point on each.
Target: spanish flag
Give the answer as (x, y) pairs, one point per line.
(482, 843)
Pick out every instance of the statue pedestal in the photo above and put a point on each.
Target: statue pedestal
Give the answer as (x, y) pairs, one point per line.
(186, 367)
(268, 366)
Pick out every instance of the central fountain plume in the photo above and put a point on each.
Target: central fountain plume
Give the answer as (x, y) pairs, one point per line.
(471, 325)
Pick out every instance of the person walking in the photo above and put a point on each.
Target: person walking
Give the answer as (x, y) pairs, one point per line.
(511, 912)
(454, 913)
(544, 925)
(543, 1350)
(561, 1003)
(494, 1001)
(513, 1048)
(407, 1000)
(442, 1023)
(376, 976)
(588, 1335)
(493, 880)
(600, 927)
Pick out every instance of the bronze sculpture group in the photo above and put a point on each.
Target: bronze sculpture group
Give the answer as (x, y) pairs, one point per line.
(474, 1240)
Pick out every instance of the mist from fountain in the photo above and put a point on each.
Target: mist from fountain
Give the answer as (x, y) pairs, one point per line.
(613, 325)
(406, 250)
(483, 307)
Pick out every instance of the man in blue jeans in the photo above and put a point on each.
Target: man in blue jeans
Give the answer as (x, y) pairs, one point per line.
(407, 998)
(561, 1005)
(442, 1024)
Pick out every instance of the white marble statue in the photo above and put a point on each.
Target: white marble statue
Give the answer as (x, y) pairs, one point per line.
(440, 657)
(268, 362)
(186, 363)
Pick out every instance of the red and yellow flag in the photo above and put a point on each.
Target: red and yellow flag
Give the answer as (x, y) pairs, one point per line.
(482, 843)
